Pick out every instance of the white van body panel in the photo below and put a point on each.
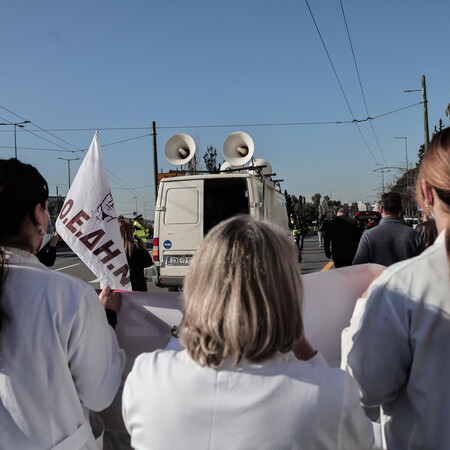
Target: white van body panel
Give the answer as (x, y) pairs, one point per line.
(187, 207)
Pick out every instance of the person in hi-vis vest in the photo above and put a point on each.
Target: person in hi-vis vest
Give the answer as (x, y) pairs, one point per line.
(141, 232)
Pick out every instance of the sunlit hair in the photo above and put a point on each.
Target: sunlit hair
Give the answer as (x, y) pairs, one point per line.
(435, 169)
(127, 233)
(243, 294)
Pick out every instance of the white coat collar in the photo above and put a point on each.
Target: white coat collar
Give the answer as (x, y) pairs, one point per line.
(18, 256)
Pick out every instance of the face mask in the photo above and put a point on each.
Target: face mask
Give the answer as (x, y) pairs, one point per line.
(49, 234)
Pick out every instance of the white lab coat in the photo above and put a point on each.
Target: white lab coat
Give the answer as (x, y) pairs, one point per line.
(397, 348)
(170, 402)
(58, 358)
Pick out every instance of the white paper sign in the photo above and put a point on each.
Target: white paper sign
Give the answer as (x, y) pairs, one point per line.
(88, 222)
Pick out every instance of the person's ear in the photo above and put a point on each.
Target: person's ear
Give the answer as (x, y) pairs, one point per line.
(427, 192)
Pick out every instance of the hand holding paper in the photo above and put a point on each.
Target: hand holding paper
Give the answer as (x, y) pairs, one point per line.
(111, 300)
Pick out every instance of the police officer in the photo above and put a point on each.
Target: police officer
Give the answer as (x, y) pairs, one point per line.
(141, 232)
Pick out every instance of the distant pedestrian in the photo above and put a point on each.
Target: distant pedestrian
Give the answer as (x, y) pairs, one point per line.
(428, 230)
(392, 240)
(303, 233)
(341, 238)
(137, 256)
(294, 225)
(320, 228)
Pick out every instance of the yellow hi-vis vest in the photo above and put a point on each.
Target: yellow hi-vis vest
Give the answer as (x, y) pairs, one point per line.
(140, 232)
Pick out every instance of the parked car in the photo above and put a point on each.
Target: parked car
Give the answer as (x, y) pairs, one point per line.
(367, 219)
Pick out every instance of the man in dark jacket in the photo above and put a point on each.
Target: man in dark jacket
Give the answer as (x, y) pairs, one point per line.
(392, 240)
(343, 235)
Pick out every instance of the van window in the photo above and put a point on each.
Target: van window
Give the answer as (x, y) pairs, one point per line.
(182, 206)
(223, 198)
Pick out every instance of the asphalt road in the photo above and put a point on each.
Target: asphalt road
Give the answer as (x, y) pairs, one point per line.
(314, 260)
(68, 262)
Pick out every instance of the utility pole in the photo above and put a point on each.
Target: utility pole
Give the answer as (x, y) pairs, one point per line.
(68, 165)
(425, 113)
(57, 201)
(16, 124)
(155, 161)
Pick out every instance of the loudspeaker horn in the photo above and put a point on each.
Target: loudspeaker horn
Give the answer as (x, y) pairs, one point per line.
(238, 148)
(179, 149)
(226, 167)
(262, 162)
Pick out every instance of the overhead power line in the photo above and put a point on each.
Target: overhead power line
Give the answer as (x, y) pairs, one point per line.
(339, 81)
(229, 125)
(117, 180)
(360, 82)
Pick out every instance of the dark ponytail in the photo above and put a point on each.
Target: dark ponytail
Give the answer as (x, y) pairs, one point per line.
(22, 187)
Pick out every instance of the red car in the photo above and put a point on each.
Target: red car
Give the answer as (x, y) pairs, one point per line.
(367, 219)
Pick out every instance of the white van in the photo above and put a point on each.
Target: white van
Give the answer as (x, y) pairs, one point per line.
(189, 206)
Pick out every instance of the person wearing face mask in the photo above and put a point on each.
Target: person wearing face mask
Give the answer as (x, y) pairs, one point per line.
(47, 254)
(59, 357)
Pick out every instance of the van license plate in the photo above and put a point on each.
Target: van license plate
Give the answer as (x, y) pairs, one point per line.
(178, 260)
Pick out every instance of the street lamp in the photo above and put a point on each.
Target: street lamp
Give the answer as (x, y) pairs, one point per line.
(16, 124)
(406, 148)
(136, 212)
(68, 165)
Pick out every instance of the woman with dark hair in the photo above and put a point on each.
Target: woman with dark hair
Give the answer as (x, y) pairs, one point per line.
(137, 256)
(237, 383)
(59, 358)
(397, 340)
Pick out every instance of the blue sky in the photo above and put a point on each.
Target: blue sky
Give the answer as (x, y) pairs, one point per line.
(90, 65)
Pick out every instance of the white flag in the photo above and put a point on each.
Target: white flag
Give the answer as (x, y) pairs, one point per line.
(88, 222)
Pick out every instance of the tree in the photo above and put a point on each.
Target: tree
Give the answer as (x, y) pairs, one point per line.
(316, 200)
(210, 158)
(298, 206)
(447, 111)
(405, 186)
(309, 212)
(441, 127)
(420, 154)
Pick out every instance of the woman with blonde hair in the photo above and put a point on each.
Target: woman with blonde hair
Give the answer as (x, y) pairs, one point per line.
(398, 340)
(137, 256)
(237, 383)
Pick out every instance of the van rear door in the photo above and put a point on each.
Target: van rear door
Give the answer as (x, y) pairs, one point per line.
(181, 226)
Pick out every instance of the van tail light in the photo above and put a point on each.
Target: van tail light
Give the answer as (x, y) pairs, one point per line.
(155, 249)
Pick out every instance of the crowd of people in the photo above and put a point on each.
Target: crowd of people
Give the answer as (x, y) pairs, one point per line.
(245, 374)
(387, 242)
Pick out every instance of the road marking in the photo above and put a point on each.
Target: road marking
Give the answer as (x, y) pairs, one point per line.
(328, 266)
(97, 280)
(67, 267)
